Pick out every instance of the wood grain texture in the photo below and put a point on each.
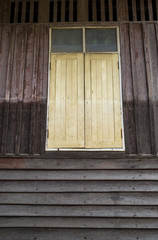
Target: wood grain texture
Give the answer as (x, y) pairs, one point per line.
(141, 103)
(78, 234)
(78, 211)
(74, 164)
(112, 198)
(101, 223)
(79, 186)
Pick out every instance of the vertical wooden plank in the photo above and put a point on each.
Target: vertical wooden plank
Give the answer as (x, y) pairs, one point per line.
(44, 11)
(151, 57)
(5, 11)
(39, 88)
(23, 11)
(94, 10)
(62, 10)
(4, 54)
(16, 11)
(44, 87)
(134, 10)
(31, 10)
(55, 11)
(102, 10)
(13, 125)
(122, 10)
(34, 90)
(23, 39)
(7, 89)
(71, 10)
(127, 91)
(142, 9)
(110, 10)
(81, 10)
(150, 8)
(26, 114)
(140, 90)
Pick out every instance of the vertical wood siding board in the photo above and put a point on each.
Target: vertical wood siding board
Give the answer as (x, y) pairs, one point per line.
(150, 50)
(26, 115)
(12, 125)
(127, 88)
(150, 8)
(23, 11)
(86, 10)
(44, 10)
(40, 79)
(31, 10)
(156, 92)
(45, 86)
(21, 88)
(142, 10)
(102, 10)
(8, 89)
(62, 10)
(36, 40)
(134, 11)
(122, 10)
(140, 90)
(94, 10)
(110, 10)
(55, 11)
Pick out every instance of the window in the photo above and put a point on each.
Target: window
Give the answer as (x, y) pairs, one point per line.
(84, 109)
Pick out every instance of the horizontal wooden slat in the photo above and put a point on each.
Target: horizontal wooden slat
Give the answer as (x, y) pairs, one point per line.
(47, 222)
(28, 163)
(77, 234)
(79, 211)
(78, 186)
(80, 198)
(79, 175)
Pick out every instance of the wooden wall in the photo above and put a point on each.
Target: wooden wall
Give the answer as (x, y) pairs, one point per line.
(23, 87)
(67, 199)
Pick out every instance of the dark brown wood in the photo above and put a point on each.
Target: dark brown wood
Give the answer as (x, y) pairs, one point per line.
(31, 11)
(122, 10)
(44, 11)
(71, 10)
(16, 11)
(102, 10)
(85, 164)
(151, 57)
(94, 11)
(62, 10)
(141, 104)
(127, 89)
(23, 11)
(134, 10)
(110, 11)
(142, 10)
(150, 8)
(55, 11)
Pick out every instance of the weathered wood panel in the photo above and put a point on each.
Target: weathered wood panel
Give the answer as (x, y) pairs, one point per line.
(74, 164)
(79, 175)
(97, 223)
(77, 234)
(112, 198)
(79, 211)
(78, 186)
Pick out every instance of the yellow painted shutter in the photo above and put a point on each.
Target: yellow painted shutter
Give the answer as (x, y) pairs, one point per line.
(66, 101)
(102, 101)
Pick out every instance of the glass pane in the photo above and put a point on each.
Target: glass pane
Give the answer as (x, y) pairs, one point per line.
(101, 40)
(67, 40)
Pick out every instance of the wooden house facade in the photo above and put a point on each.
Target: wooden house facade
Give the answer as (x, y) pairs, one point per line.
(78, 191)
